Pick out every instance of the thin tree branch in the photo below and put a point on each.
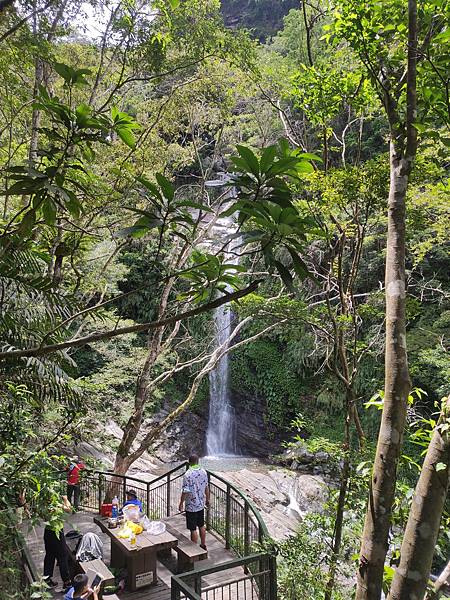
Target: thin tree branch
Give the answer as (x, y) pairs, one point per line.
(106, 335)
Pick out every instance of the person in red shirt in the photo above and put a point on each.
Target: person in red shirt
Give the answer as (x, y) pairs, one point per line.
(73, 480)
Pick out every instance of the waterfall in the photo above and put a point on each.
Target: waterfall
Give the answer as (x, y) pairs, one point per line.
(221, 432)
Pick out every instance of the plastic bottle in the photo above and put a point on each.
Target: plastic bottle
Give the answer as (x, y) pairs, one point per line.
(115, 507)
(133, 540)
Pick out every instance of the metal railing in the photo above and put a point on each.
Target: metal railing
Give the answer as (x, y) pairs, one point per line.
(159, 497)
(231, 516)
(234, 517)
(250, 578)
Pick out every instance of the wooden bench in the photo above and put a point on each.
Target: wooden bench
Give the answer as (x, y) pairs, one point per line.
(98, 566)
(188, 553)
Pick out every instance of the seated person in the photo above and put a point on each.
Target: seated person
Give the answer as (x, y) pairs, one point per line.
(131, 498)
(81, 590)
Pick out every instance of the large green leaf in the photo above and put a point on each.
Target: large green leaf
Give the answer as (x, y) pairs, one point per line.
(285, 275)
(64, 71)
(126, 135)
(250, 159)
(267, 158)
(166, 186)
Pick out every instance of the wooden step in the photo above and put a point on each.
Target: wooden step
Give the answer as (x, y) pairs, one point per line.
(188, 552)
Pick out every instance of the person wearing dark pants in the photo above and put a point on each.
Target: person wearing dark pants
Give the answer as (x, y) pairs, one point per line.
(195, 497)
(73, 494)
(55, 550)
(73, 481)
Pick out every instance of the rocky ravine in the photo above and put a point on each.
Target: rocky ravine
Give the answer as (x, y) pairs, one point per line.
(283, 497)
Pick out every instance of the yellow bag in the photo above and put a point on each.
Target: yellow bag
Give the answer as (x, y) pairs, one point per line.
(134, 527)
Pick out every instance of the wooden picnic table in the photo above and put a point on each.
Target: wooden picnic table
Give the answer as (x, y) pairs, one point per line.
(139, 561)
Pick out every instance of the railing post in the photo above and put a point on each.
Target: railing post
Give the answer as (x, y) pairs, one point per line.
(208, 510)
(228, 517)
(168, 497)
(99, 493)
(263, 581)
(198, 585)
(246, 531)
(174, 591)
(148, 499)
(273, 577)
(124, 485)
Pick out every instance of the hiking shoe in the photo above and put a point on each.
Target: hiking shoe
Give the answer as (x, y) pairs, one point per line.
(49, 581)
(203, 546)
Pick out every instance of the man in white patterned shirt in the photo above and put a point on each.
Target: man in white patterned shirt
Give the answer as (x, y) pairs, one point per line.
(195, 497)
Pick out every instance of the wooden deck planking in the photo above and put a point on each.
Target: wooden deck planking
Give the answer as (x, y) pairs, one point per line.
(217, 554)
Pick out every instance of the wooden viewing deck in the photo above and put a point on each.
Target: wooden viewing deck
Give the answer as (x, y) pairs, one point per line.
(83, 522)
(235, 568)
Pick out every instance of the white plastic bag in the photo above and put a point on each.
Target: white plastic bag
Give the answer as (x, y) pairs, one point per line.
(131, 513)
(156, 527)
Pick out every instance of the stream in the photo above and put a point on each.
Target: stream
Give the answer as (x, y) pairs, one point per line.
(282, 496)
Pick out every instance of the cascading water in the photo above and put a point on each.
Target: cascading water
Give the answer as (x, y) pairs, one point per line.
(221, 432)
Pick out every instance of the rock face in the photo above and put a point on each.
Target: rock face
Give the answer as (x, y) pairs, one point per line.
(317, 463)
(253, 436)
(263, 17)
(283, 497)
(188, 433)
(146, 466)
(184, 437)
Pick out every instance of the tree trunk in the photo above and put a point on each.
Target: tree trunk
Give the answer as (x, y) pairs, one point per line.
(403, 149)
(131, 429)
(441, 584)
(39, 79)
(397, 386)
(121, 464)
(419, 541)
(36, 114)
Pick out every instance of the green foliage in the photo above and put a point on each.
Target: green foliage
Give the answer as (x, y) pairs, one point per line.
(265, 204)
(104, 157)
(258, 372)
(317, 436)
(377, 32)
(321, 92)
(69, 138)
(28, 462)
(301, 561)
